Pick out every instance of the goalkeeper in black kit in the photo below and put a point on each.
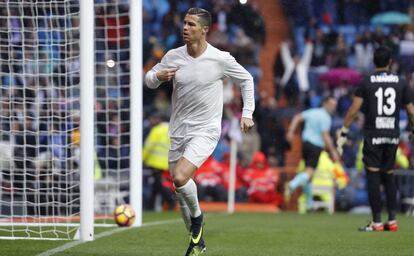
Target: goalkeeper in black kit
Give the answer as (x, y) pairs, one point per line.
(380, 97)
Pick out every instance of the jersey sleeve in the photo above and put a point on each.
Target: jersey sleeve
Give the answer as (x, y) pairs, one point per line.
(241, 77)
(151, 79)
(326, 124)
(306, 114)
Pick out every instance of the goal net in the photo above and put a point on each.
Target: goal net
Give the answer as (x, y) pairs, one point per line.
(40, 116)
(112, 106)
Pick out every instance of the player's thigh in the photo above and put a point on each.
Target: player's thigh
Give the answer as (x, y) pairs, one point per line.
(371, 154)
(310, 154)
(177, 147)
(379, 156)
(389, 152)
(199, 148)
(187, 154)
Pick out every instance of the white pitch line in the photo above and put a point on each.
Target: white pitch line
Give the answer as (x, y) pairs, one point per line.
(103, 234)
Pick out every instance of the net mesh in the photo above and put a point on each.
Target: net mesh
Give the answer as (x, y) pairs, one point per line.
(39, 115)
(112, 105)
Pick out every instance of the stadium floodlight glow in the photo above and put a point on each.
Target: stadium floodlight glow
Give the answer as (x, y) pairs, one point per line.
(243, 1)
(110, 63)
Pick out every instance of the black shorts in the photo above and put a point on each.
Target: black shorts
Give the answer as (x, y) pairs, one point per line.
(311, 153)
(380, 156)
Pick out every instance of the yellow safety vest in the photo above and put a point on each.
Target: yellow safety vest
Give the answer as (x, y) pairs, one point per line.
(327, 172)
(156, 147)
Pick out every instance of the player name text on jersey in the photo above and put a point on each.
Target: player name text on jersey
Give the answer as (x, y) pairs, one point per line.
(385, 122)
(390, 78)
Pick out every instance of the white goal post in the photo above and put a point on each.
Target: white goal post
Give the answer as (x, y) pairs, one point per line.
(70, 116)
(87, 73)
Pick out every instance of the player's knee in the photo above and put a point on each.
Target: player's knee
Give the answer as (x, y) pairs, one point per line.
(179, 179)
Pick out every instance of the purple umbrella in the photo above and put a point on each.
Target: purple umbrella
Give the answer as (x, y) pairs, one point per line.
(335, 76)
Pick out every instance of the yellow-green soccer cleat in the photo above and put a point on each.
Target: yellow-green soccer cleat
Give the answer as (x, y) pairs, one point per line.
(197, 245)
(194, 250)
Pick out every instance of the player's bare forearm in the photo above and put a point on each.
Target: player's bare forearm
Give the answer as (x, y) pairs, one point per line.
(353, 111)
(330, 146)
(349, 118)
(297, 119)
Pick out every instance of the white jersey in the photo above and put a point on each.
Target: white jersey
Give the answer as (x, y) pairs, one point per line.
(197, 99)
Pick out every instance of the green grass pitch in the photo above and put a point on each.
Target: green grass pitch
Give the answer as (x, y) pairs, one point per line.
(244, 234)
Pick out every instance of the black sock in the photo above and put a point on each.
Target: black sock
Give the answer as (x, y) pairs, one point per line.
(196, 224)
(374, 194)
(391, 193)
(197, 220)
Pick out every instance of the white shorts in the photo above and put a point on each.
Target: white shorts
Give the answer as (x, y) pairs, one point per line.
(194, 149)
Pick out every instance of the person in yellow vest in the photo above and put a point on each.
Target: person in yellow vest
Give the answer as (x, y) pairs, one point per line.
(155, 158)
(328, 174)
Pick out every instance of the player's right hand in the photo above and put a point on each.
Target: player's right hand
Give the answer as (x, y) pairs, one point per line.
(166, 74)
(341, 139)
(246, 124)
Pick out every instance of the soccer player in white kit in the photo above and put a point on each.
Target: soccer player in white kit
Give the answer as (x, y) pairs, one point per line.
(197, 70)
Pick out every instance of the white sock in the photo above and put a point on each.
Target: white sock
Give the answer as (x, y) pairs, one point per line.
(185, 212)
(189, 194)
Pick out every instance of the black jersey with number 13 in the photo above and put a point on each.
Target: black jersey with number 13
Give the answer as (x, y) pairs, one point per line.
(383, 96)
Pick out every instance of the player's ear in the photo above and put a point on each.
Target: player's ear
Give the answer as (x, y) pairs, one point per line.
(205, 30)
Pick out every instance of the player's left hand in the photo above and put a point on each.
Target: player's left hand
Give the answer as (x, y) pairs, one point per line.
(246, 124)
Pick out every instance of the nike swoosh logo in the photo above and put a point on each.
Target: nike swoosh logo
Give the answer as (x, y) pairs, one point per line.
(197, 239)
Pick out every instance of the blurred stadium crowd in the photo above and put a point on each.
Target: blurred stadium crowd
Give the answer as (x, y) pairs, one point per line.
(329, 49)
(331, 45)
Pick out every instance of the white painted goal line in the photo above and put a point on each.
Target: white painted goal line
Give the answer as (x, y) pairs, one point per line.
(104, 234)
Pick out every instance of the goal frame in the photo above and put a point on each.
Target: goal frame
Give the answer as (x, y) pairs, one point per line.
(86, 223)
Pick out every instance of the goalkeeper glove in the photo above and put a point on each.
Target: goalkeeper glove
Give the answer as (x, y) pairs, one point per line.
(341, 139)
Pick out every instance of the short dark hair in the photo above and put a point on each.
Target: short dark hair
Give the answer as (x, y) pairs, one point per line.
(382, 56)
(204, 15)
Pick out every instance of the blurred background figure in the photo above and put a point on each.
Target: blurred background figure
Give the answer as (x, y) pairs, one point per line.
(210, 185)
(262, 180)
(315, 138)
(155, 158)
